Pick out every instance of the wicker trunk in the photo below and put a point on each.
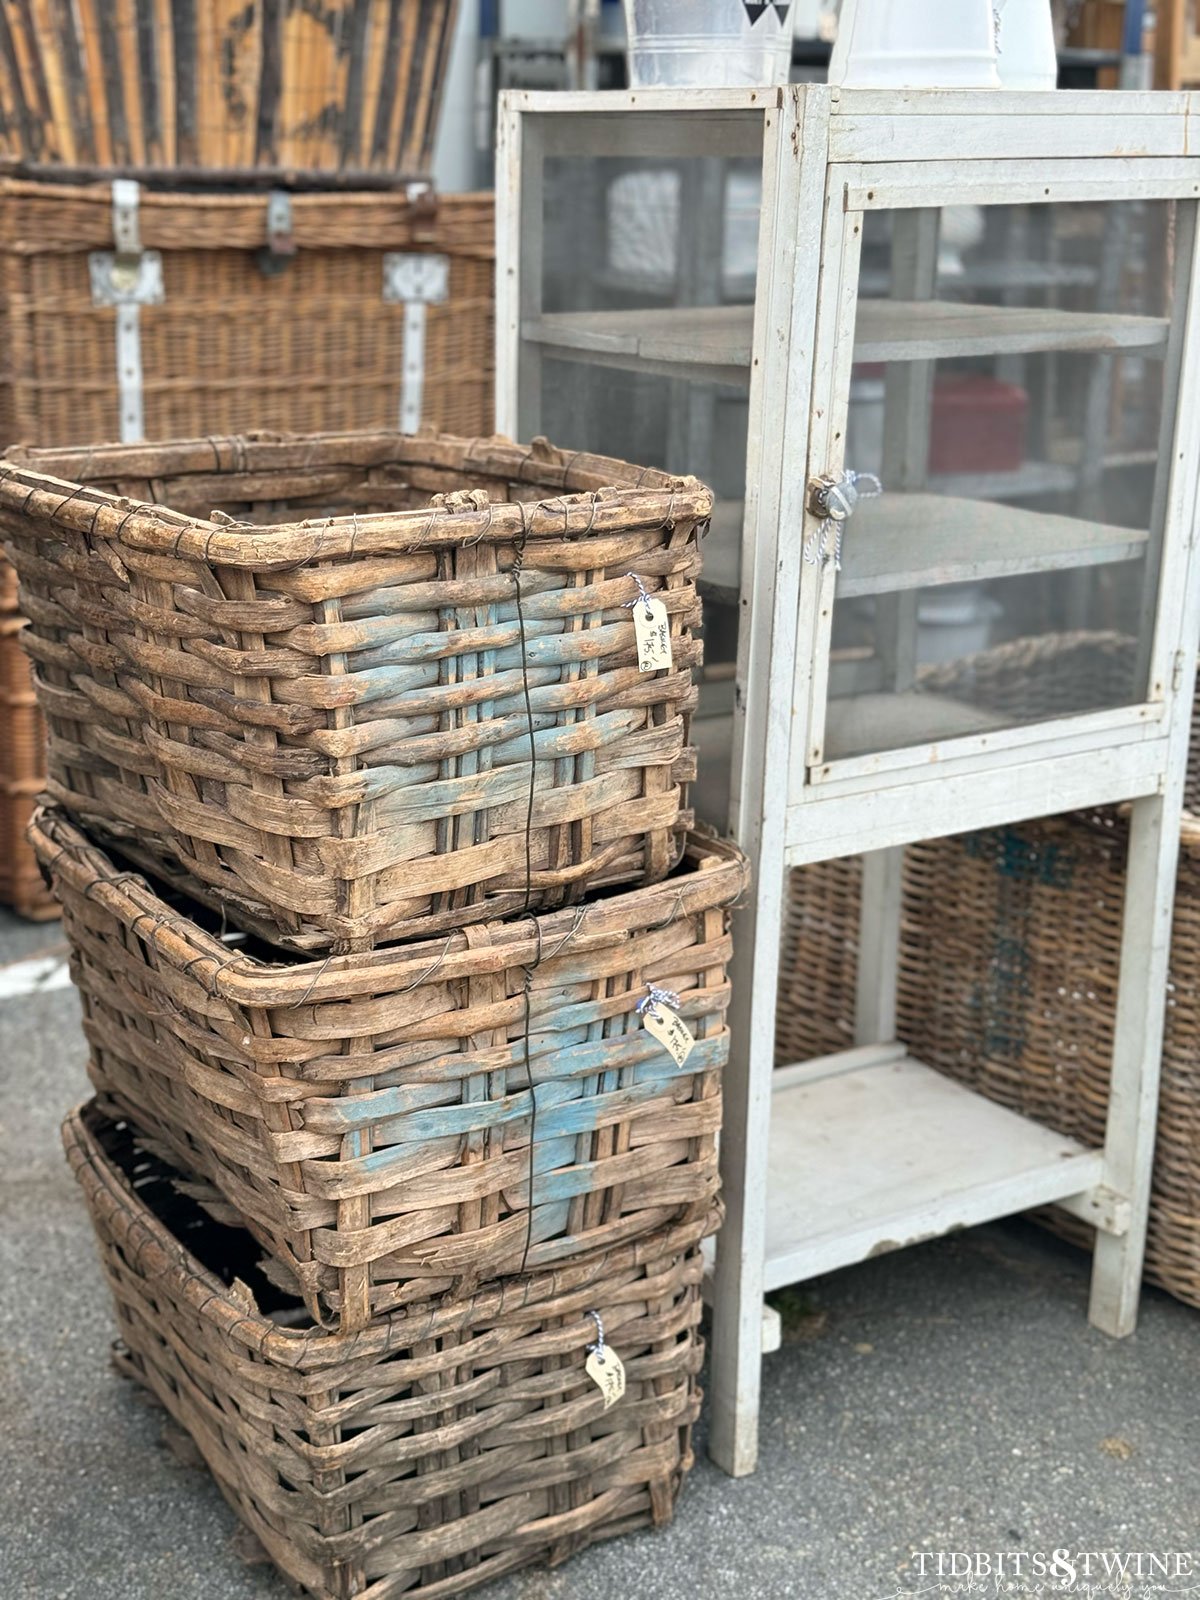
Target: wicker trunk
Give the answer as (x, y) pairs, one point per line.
(433, 1115)
(414, 700)
(446, 1445)
(304, 336)
(243, 338)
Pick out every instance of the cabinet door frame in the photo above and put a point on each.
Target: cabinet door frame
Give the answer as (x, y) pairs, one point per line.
(853, 190)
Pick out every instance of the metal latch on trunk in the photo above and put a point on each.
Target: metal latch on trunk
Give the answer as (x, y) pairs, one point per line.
(127, 278)
(280, 248)
(414, 280)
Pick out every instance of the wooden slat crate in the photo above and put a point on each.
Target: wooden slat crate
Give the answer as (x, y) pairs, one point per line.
(446, 1445)
(378, 1120)
(345, 86)
(411, 701)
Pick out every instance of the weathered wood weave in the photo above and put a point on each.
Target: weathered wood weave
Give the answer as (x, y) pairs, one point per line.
(344, 85)
(1009, 963)
(370, 1117)
(22, 763)
(328, 721)
(444, 1446)
(232, 347)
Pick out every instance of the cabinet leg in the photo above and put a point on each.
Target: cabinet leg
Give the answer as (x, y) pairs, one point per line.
(738, 1281)
(1137, 1053)
(878, 946)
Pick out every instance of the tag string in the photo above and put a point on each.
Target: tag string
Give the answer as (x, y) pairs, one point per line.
(656, 997)
(597, 1349)
(840, 499)
(641, 598)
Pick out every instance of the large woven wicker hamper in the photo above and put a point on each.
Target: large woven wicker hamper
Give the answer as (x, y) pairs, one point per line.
(243, 336)
(377, 1120)
(328, 720)
(446, 1445)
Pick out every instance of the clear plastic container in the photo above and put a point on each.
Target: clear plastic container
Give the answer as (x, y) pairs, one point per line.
(708, 43)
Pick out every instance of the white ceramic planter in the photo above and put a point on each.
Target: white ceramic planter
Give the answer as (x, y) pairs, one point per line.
(909, 44)
(1026, 57)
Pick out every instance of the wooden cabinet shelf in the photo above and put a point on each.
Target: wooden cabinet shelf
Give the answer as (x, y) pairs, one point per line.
(917, 541)
(871, 1150)
(713, 343)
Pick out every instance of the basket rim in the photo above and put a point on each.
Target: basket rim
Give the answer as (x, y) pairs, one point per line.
(720, 878)
(160, 1255)
(599, 495)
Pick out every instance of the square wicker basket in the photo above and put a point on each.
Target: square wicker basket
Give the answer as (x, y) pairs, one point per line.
(328, 720)
(444, 1446)
(377, 1120)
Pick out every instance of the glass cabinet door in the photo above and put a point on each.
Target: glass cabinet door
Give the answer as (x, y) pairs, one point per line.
(1011, 393)
(638, 278)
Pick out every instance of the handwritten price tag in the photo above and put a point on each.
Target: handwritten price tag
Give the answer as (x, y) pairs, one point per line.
(653, 629)
(607, 1372)
(671, 1031)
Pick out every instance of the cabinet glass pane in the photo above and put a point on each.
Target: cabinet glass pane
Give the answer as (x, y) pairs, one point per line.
(1009, 386)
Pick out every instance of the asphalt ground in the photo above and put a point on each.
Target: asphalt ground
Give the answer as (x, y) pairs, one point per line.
(948, 1398)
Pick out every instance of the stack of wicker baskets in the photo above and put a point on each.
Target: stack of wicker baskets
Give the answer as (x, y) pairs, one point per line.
(400, 1146)
(219, 219)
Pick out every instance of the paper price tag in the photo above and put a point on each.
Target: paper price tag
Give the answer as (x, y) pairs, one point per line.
(671, 1031)
(653, 629)
(607, 1372)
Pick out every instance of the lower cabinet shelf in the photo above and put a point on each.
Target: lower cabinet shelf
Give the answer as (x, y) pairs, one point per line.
(871, 1151)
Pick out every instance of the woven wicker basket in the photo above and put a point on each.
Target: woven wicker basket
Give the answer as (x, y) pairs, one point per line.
(1014, 994)
(232, 347)
(369, 1117)
(22, 764)
(441, 1448)
(328, 721)
(340, 86)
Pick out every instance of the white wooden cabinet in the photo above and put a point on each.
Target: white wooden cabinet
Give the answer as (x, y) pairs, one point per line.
(989, 301)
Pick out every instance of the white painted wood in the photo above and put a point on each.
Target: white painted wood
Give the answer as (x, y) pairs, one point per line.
(959, 802)
(510, 264)
(928, 330)
(1151, 865)
(869, 1161)
(953, 740)
(852, 1060)
(883, 185)
(714, 343)
(911, 541)
(936, 125)
(796, 348)
(772, 1322)
(780, 402)
(879, 946)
